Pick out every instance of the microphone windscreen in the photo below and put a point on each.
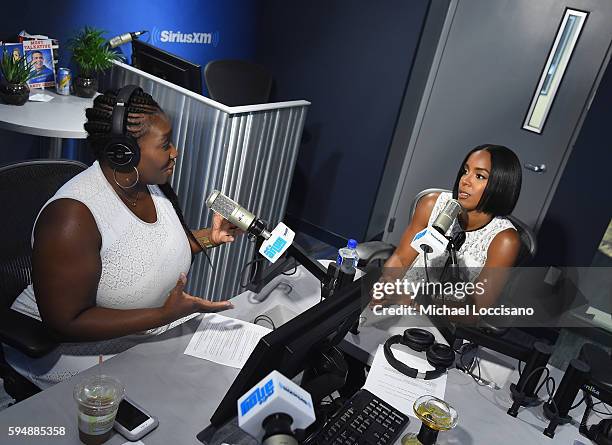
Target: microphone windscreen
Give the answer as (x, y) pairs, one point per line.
(445, 219)
(234, 213)
(221, 204)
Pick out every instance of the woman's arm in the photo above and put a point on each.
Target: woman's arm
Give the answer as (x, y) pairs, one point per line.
(221, 232)
(404, 254)
(501, 256)
(66, 273)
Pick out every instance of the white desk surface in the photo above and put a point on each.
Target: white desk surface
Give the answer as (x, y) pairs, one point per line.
(61, 117)
(183, 391)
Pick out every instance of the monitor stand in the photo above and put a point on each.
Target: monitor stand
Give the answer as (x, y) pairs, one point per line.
(327, 375)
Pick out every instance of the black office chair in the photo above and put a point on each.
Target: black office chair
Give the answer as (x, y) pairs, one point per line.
(237, 82)
(24, 188)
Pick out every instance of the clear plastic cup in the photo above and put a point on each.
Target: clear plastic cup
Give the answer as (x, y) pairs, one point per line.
(98, 399)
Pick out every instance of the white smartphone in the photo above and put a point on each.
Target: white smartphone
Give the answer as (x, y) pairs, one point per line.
(132, 421)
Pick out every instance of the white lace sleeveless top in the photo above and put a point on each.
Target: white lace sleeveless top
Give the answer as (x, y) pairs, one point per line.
(473, 252)
(141, 261)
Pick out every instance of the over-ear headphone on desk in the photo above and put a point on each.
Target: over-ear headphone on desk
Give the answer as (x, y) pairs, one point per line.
(601, 433)
(122, 151)
(439, 355)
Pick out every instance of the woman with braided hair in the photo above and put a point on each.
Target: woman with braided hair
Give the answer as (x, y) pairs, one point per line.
(111, 250)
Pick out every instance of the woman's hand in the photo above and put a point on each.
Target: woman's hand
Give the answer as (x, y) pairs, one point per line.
(180, 304)
(223, 231)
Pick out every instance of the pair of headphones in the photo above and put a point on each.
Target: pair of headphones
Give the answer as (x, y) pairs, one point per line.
(122, 151)
(439, 355)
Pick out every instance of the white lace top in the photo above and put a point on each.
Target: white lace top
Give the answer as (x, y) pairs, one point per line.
(141, 263)
(473, 252)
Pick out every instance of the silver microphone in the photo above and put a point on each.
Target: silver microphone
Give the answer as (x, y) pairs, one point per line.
(124, 38)
(445, 219)
(237, 215)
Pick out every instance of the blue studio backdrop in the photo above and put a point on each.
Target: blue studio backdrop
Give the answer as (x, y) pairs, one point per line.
(197, 30)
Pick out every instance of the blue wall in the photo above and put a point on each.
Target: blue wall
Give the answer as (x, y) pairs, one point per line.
(351, 59)
(230, 23)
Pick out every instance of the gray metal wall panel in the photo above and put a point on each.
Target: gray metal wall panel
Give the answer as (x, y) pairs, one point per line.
(248, 156)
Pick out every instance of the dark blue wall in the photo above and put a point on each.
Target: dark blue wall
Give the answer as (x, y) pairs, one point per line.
(582, 208)
(352, 60)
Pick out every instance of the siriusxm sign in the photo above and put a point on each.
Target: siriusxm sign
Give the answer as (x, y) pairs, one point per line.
(168, 36)
(258, 396)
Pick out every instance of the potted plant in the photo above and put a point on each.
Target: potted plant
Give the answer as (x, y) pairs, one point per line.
(16, 71)
(92, 55)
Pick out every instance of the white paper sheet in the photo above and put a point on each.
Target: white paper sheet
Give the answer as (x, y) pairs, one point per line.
(40, 97)
(225, 340)
(397, 389)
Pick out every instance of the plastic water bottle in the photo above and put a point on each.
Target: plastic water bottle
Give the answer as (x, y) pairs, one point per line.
(348, 255)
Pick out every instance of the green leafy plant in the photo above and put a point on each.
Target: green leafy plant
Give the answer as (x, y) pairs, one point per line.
(90, 52)
(16, 71)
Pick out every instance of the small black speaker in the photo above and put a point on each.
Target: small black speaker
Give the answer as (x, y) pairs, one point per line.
(523, 392)
(556, 410)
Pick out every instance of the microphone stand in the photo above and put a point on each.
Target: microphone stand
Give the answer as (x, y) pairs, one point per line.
(454, 244)
(261, 278)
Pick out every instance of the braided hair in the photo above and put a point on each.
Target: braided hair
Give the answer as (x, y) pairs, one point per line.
(140, 107)
(99, 118)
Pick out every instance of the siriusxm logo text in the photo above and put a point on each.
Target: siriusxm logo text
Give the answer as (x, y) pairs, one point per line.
(258, 396)
(179, 37)
(167, 36)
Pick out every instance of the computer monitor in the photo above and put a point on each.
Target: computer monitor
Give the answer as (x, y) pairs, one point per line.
(297, 345)
(167, 66)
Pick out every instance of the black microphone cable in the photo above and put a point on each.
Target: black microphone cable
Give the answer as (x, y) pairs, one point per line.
(463, 349)
(425, 262)
(252, 265)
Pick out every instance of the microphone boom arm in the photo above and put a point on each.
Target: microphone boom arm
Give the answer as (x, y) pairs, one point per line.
(261, 279)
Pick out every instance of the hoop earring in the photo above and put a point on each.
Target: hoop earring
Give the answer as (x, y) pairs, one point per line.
(131, 186)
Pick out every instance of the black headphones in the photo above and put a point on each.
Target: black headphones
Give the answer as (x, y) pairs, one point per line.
(601, 433)
(122, 151)
(439, 356)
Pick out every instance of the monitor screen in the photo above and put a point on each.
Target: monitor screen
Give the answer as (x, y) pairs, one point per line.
(294, 346)
(167, 66)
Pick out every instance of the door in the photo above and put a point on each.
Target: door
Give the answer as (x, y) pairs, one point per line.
(487, 69)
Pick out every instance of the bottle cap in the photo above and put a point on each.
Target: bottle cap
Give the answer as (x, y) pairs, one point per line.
(351, 244)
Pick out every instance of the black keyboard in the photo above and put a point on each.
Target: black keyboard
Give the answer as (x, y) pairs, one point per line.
(363, 420)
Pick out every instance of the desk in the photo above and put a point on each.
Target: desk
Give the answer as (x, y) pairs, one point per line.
(62, 117)
(183, 391)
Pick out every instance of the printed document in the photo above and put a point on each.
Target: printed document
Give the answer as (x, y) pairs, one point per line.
(397, 389)
(225, 340)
